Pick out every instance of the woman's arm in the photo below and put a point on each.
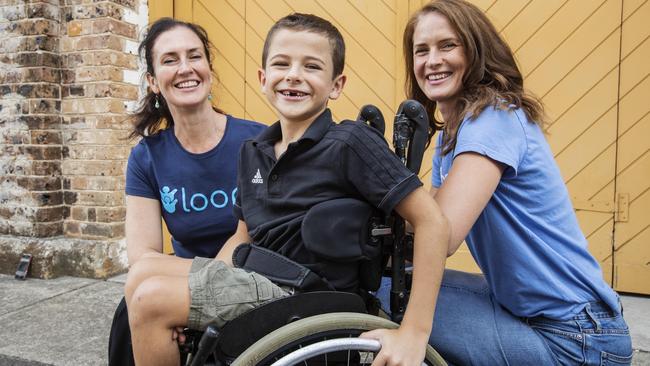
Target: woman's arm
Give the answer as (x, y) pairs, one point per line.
(463, 195)
(143, 228)
(239, 237)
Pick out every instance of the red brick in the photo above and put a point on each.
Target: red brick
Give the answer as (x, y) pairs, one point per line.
(99, 10)
(113, 26)
(33, 152)
(101, 230)
(30, 229)
(71, 228)
(43, 10)
(93, 168)
(98, 152)
(39, 90)
(95, 136)
(39, 183)
(47, 198)
(15, 11)
(99, 198)
(97, 183)
(42, 137)
(31, 59)
(49, 214)
(44, 106)
(40, 122)
(121, 122)
(52, 167)
(9, 136)
(110, 214)
(33, 27)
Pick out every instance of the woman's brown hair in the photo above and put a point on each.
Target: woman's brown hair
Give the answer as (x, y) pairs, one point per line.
(492, 77)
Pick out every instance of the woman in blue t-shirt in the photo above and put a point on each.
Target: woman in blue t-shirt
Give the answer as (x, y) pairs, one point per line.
(541, 299)
(183, 170)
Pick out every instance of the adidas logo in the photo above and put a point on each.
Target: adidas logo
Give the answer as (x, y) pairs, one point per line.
(257, 179)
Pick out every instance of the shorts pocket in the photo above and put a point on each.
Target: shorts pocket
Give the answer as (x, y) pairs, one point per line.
(607, 358)
(267, 290)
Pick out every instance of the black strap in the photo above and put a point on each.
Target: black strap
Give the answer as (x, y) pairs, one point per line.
(278, 268)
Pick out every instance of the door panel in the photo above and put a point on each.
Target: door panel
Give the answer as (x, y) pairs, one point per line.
(632, 233)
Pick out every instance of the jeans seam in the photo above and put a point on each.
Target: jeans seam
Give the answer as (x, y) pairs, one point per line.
(604, 355)
(575, 336)
(464, 289)
(546, 345)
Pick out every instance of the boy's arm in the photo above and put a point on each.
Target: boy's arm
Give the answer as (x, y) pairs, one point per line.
(239, 237)
(407, 344)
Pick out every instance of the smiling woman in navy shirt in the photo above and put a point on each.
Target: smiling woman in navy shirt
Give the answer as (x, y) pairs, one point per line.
(185, 173)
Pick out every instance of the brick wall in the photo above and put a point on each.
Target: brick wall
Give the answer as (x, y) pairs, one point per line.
(68, 71)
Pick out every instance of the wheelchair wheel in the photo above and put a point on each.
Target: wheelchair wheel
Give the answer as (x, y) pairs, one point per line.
(343, 327)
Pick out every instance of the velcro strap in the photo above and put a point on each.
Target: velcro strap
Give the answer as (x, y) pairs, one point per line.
(277, 268)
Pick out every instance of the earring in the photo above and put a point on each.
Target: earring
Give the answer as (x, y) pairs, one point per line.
(157, 104)
(210, 97)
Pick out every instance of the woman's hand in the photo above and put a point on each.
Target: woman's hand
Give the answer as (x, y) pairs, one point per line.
(398, 347)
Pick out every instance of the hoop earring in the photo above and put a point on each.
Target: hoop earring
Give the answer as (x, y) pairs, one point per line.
(210, 97)
(157, 104)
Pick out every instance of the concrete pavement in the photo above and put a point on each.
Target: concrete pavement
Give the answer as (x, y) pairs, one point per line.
(66, 321)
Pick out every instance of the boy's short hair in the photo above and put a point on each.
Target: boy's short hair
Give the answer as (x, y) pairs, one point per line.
(299, 22)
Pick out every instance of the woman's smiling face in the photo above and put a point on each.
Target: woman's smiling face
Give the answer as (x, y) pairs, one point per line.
(182, 73)
(439, 61)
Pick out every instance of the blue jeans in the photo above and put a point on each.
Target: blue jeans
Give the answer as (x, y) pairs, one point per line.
(471, 328)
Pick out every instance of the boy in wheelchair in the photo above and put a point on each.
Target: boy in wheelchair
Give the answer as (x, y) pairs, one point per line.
(302, 161)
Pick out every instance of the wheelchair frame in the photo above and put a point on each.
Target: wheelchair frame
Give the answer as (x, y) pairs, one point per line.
(329, 314)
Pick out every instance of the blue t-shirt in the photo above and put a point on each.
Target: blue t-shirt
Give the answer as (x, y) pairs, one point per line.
(196, 191)
(527, 240)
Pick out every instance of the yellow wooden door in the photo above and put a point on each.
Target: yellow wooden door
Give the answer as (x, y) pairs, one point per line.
(591, 76)
(632, 184)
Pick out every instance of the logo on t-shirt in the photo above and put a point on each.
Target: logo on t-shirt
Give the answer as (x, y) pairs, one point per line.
(442, 176)
(168, 200)
(257, 179)
(195, 201)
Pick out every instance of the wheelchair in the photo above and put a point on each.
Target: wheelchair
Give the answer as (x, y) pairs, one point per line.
(322, 327)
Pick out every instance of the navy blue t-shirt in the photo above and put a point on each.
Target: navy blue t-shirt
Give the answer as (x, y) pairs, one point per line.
(196, 191)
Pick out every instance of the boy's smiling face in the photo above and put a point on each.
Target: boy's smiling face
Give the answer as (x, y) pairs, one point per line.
(298, 78)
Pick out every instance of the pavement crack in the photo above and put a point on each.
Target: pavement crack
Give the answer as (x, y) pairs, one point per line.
(38, 302)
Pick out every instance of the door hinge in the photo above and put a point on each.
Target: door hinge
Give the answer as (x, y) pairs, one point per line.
(620, 208)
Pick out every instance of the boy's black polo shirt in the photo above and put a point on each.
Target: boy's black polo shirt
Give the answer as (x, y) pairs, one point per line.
(329, 161)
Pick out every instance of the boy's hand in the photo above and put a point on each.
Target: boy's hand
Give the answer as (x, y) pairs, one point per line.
(178, 335)
(398, 347)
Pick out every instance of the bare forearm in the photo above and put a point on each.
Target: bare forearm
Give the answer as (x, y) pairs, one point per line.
(431, 236)
(143, 228)
(429, 263)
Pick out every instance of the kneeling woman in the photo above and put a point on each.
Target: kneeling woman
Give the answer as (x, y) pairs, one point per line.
(542, 299)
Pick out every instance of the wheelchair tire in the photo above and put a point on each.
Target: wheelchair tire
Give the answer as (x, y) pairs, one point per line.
(314, 329)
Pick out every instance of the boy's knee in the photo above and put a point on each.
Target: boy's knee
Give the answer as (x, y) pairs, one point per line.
(148, 301)
(138, 272)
